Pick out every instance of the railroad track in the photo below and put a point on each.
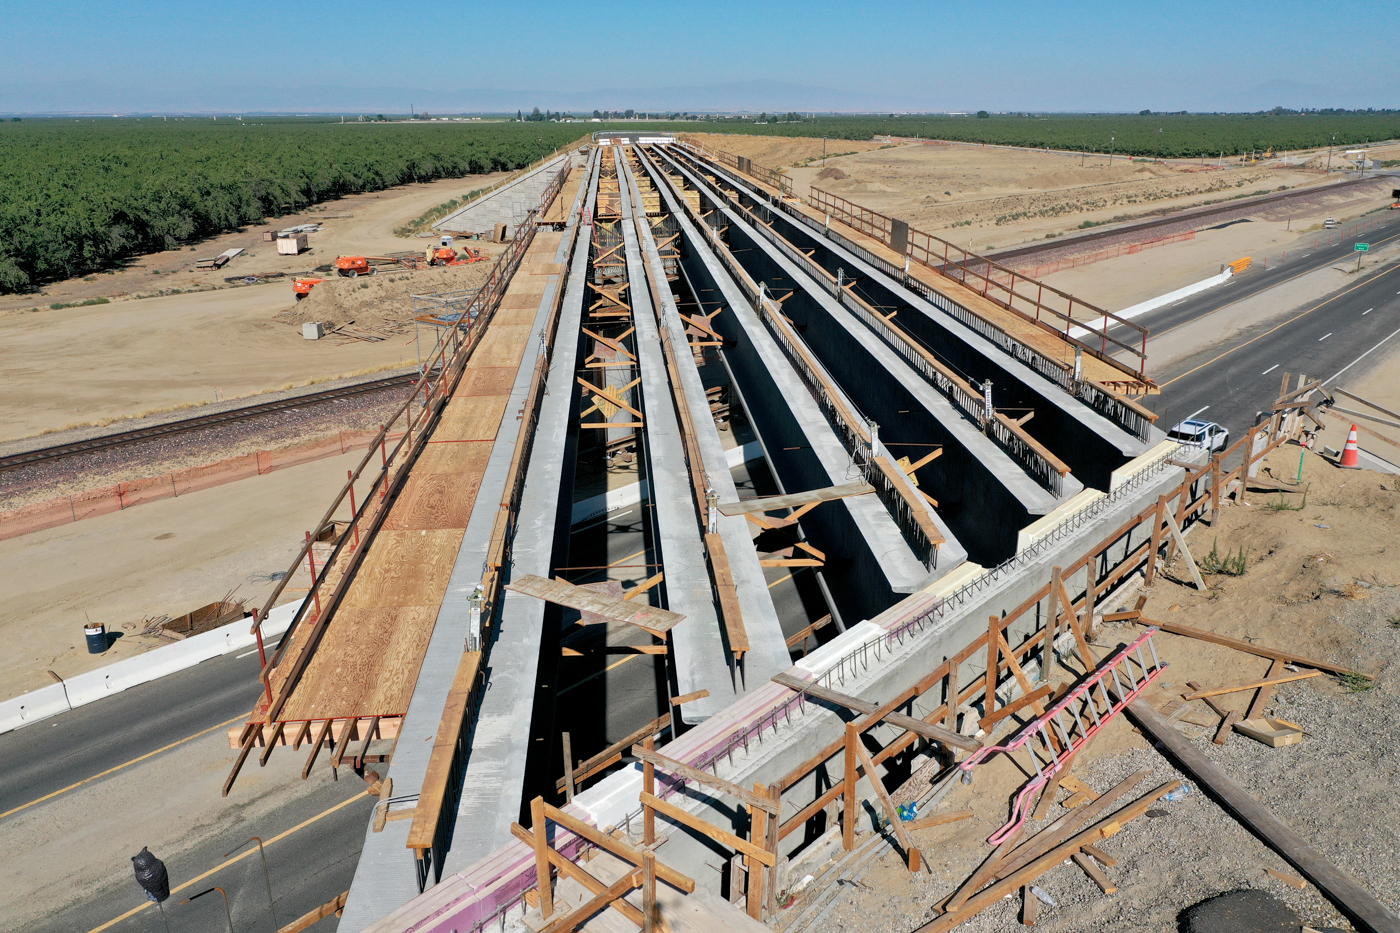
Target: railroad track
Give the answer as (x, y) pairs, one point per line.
(198, 422)
(1176, 218)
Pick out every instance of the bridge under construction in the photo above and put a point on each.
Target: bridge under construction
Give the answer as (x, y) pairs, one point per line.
(701, 469)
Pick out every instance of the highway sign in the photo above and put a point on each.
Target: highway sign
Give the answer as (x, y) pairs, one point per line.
(1363, 247)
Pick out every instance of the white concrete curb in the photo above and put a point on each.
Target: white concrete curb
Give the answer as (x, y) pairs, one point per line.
(114, 678)
(1161, 301)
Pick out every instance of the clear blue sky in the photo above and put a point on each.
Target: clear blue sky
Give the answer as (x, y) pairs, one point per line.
(145, 54)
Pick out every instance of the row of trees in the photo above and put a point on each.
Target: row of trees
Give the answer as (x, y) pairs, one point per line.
(77, 198)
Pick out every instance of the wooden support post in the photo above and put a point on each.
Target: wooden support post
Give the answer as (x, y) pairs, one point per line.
(649, 917)
(568, 769)
(848, 816)
(1090, 595)
(363, 750)
(1081, 642)
(1052, 625)
(271, 743)
(1215, 491)
(758, 830)
(316, 748)
(1151, 573)
(950, 697)
(774, 821)
(993, 665)
(539, 830)
(648, 785)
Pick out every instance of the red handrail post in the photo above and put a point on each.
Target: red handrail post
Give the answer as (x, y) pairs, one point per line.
(354, 512)
(311, 563)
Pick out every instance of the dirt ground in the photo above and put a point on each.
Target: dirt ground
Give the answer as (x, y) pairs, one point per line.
(162, 558)
(134, 355)
(1322, 580)
(782, 152)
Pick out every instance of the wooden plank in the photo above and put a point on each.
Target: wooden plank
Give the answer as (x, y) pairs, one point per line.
(487, 380)
(689, 697)
(435, 782)
(1030, 906)
(570, 920)
(1222, 735)
(575, 597)
(736, 632)
(613, 752)
(623, 851)
(1262, 651)
(1095, 873)
(911, 851)
(405, 568)
(993, 893)
(574, 873)
(702, 777)
(851, 806)
(917, 505)
(1100, 856)
(1291, 880)
(1267, 682)
(1359, 905)
(754, 899)
(475, 418)
(705, 828)
(928, 822)
(909, 723)
(986, 722)
(1261, 698)
(793, 499)
(1067, 825)
(316, 915)
(1186, 551)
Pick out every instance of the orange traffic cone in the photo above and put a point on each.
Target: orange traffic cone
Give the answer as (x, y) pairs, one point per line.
(1351, 460)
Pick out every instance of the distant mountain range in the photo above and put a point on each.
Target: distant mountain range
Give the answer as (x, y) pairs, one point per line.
(743, 96)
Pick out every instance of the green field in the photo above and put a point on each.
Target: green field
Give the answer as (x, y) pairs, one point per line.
(81, 196)
(1163, 135)
(77, 197)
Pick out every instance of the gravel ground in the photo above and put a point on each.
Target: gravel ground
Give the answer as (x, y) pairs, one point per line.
(289, 427)
(1339, 789)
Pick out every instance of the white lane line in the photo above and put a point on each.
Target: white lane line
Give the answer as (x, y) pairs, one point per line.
(1324, 336)
(1269, 370)
(1361, 357)
(1367, 311)
(245, 654)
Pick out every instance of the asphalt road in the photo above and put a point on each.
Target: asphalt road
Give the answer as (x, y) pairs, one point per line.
(1344, 332)
(309, 866)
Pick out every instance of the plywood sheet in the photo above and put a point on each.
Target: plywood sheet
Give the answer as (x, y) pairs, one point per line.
(475, 418)
(449, 456)
(517, 300)
(367, 664)
(525, 316)
(502, 345)
(577, 597)
(405, 568)
(791, 500)
(434, 500)
(486, 380)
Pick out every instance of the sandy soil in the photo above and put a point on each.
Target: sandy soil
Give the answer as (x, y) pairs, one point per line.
(1322, 581)
(1001, 197)
(780, 152)
(135, 355)
(163, 558)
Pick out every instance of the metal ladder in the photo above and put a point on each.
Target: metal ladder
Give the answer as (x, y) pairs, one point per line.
(1121, 679)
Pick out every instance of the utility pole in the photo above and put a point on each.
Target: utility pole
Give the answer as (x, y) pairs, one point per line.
(1110, 150)
(1329, 152)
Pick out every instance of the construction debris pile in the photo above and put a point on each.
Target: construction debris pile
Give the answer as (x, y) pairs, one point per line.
(386, 296)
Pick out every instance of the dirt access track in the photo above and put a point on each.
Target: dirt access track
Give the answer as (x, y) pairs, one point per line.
(137, 354)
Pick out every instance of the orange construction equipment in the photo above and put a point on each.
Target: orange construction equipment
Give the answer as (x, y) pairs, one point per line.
(1351, 457)
(351, 266)
(302, 287)
(447, 256)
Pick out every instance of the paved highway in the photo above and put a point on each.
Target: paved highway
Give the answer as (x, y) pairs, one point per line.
(117, 750)
(1345, 332)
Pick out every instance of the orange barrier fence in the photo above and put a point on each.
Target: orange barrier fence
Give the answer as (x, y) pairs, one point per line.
(104, 500)
(1050, 268)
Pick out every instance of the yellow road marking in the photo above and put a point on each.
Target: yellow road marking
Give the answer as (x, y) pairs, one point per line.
(237, 858)
(125, 764)
(1284, 324)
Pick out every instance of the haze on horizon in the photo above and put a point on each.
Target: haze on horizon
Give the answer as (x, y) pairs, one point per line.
(351, 55)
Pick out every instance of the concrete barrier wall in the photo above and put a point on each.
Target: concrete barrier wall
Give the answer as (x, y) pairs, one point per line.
(89, 687)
